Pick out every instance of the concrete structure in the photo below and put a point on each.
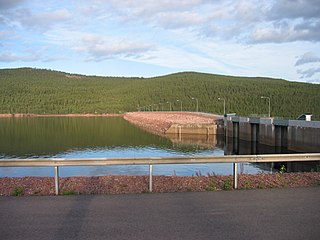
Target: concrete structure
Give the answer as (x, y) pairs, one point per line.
(305, 117)
(296, 135)
(197, 129)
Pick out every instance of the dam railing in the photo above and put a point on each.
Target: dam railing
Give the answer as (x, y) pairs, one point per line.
(235, 159)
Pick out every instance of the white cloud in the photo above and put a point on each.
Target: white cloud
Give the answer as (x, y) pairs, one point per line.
(314, 81)
(309, 72)
(247, 37)
(99, 48)
(11, 57)
(284, 31)
(179, 20)
(43, 20)
(308, 57)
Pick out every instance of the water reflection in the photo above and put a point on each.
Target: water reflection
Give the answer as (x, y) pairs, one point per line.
(100, 137)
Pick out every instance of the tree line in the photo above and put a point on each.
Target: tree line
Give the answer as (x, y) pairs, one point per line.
(27, 90)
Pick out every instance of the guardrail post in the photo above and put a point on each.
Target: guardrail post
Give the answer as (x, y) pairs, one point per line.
(235, 175)
(150, 177)
(56, 179)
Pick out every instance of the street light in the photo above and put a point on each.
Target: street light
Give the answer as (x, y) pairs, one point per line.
(197, 109)
(169, 105)
(156, 107)
(224, 105)
(269, 103)
(180, 104)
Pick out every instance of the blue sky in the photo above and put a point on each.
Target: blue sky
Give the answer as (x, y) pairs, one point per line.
(145, 38)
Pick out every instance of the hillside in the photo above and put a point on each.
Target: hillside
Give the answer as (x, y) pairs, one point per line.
(27, 90)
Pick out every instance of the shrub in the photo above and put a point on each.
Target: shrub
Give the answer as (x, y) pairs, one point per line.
(18, 191)
(227, 185)
(69, 192)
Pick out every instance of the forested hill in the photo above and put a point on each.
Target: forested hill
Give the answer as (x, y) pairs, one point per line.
(27, 90)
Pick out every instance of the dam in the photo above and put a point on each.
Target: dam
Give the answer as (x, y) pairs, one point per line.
(295, 135)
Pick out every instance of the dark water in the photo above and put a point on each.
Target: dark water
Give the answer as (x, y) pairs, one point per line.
(97, 137)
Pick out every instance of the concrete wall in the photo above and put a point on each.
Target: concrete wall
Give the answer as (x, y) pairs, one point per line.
(202, 129)
(294, 135)
(229, 129)
(303, 139)
(245, 131)
(267, 134)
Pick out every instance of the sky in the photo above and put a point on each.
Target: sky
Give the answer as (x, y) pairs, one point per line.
(145, 38)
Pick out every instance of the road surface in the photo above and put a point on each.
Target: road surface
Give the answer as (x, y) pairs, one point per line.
(254, 214)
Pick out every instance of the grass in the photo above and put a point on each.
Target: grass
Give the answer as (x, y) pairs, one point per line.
(212, 186)
(227, 185)
(18, 191)
(69, 192)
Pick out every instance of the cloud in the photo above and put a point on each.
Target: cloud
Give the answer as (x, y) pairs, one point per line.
(10, 57)
(7, 4)
(43, 20)
(308, 57)
(179, 20)
(309, 61)
(99, 49)
(309, 72)
(280, 32)
(292, 9)
(272, 22)
(314, 81)
(149, 8)
(288, 21)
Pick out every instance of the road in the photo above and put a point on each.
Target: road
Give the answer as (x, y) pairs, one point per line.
(253, 214)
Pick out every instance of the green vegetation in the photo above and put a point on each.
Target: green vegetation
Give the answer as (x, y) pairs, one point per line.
(69, 192)
(18, 191)
(27, 90)
(282, 169)
(227, 185)
(212, 186)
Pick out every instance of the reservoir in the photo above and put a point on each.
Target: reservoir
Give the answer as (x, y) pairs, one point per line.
(109, 137)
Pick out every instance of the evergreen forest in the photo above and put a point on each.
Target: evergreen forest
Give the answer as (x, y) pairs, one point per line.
(39, 91)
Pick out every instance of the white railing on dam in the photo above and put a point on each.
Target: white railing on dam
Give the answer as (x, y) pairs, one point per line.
(63, 162)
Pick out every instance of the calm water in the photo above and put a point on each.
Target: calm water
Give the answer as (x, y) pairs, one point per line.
(55, 137)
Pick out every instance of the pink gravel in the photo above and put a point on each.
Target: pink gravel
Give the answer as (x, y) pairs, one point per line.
(160, 122)
(18, 115)
(139, 184)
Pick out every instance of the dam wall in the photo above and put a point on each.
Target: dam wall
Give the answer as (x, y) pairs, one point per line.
(196, 129)
(296, 135)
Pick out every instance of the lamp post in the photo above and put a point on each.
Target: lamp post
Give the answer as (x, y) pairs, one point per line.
(180, 104)
(224, 105)
(169, 105)
(197, 108)
(269, 104)
(155, 107)
(161, 106)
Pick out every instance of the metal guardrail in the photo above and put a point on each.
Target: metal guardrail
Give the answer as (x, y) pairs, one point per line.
(62, 162)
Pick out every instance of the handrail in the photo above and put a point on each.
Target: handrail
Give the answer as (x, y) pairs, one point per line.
(60, 162)
(51, 162)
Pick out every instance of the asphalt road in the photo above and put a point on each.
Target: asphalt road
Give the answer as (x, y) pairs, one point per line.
(253, 214)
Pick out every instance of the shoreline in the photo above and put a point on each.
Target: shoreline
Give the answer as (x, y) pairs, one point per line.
(44, 186)
(20, 115)
(159, 122)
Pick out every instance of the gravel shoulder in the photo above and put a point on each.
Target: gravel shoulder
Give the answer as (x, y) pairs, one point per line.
(139, 184)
